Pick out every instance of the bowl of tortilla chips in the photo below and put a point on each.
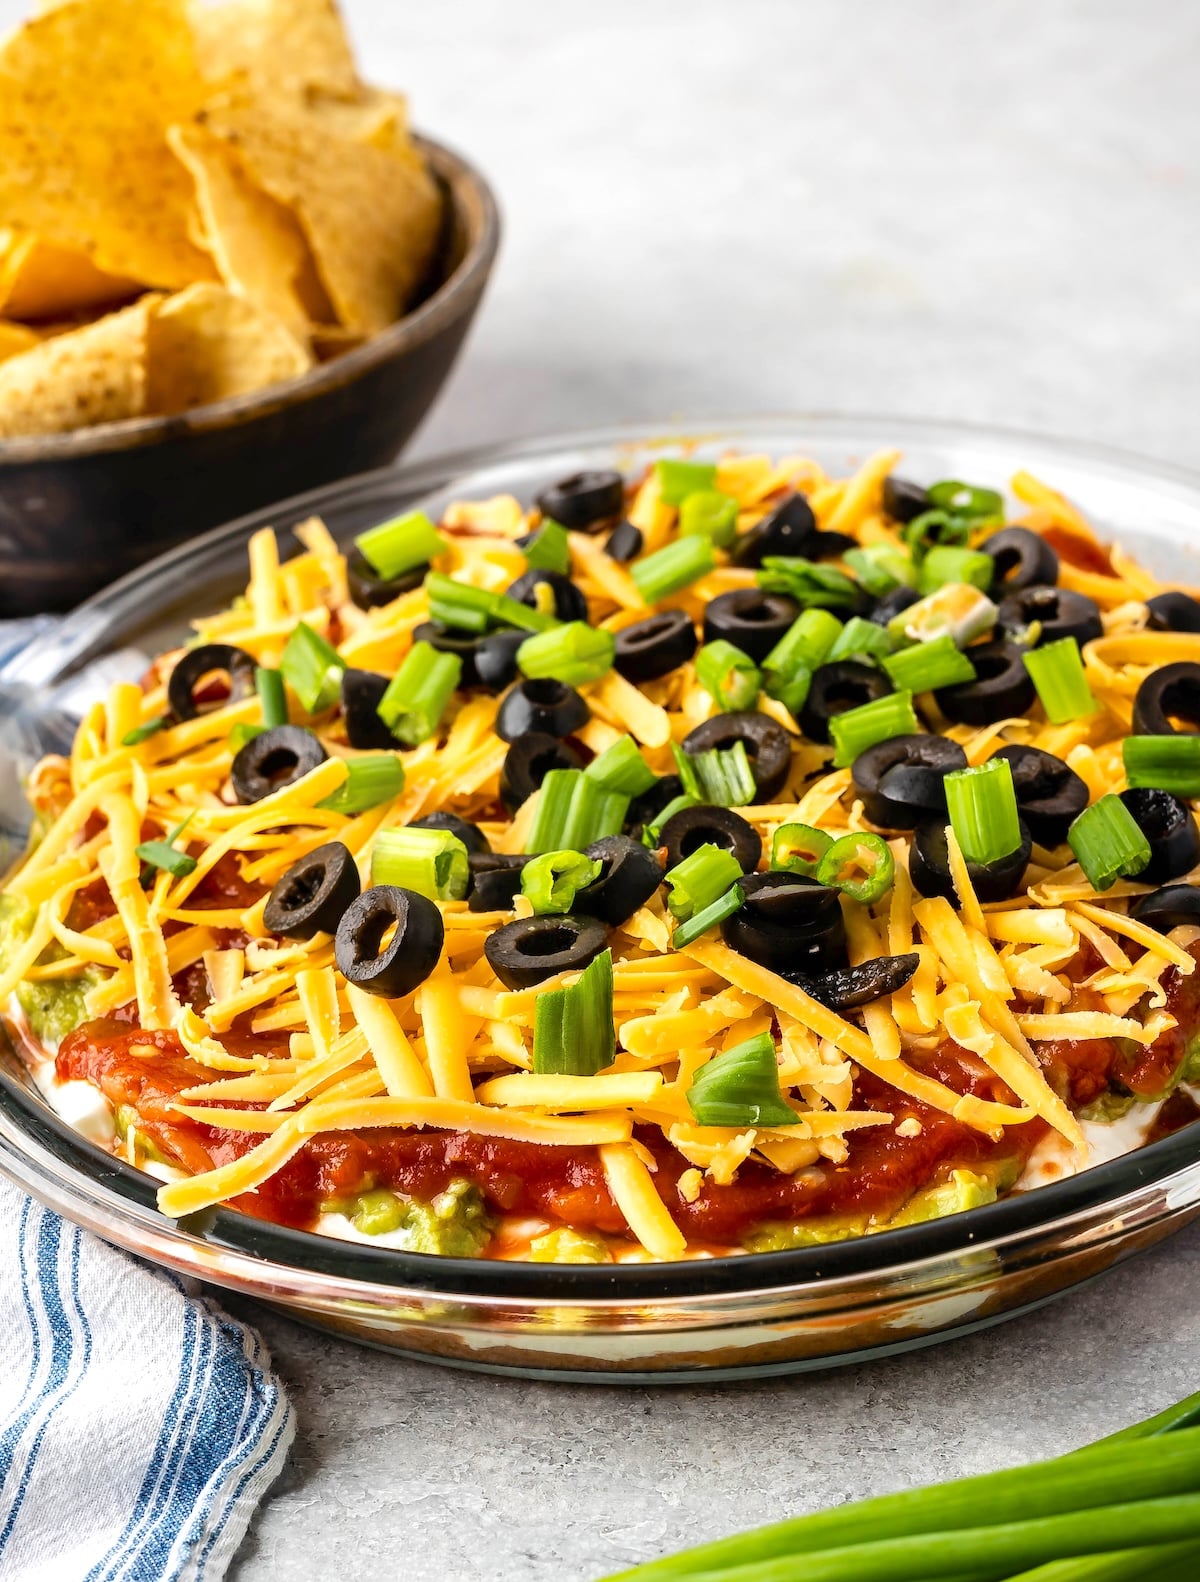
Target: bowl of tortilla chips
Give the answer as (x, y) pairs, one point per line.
(228, 272)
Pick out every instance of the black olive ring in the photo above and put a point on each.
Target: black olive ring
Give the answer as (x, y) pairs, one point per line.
(276, 758)
(368, 590)
(409, 956)
(1002, 687)
(533, 949)
(1170, 691)
(1022, 559)
(362, 693)
(206, 660)
(549, 707)
(654, 647)
(787, 530)
(789, 924)
(929, 866)
(1171, 907)
(495, 880)
(768, 747)
(1060, 612)
(629, 875)
(569, 602)
(527, 763)
(751, 619)
(903, 780)
(585, 500)
(471, 835)
(1172, 612)
(1168, 825)
(692, 827)
(1050, 795)
(313, 895)
(845, 684)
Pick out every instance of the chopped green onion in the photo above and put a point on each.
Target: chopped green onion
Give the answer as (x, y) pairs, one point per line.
(243, 733)
(982, 805)
(720, 777)
(712, 513)
(792, 691)
(741, 1088)
(573, 1031)
(417, 695)
(164, 854)
(1164, 763)
(700, 879)
(932, 528)
(1108, 843)
(966, 499)
(621, 768)
(860, 638)
(805, 644)
(926, 666)
(572, 653)
(400, 545)
(957, 610)
(142, 733)
(312, 668)
(948, 563)
(464, 608)
(549, 548)
(673, 567)
(857, 729)
(1062, 687)
(433, 862)
(730, 677)
(652, 831)
(812, 585)
(370, 780)
(573, 810)
(269, 686)
(708, 917)
(881, 567)
(860, 865)
(553, 880)
(678, 479)
(798, 848)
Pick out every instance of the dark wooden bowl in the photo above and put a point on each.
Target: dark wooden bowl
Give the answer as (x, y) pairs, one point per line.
(78, 510)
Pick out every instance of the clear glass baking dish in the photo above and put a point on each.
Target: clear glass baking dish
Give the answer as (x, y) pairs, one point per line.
(715, 1318)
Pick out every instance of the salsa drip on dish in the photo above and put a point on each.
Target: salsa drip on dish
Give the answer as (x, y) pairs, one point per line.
(733, 858)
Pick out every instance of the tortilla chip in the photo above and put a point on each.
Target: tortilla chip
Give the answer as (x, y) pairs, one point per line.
(87, 92)
(15, 339)
(279, 47)
(372, 221)
(206, 344)
(94, 374)
(40, 280)
(372, 116)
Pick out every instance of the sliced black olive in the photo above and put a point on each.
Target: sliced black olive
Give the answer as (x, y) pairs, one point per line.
(891, 604)
(1168, 825)
(1022, 559)
(362, 693)
(1060, 612)
(496, 659)
(846, 684)
(692, 827)
(870, 980)
(277, 758)
(630, 875)
(527, 763)
(645, 809)
(624, 543)
(656, 646)
(569, 602)
(409, 956)
(787, 530)
(902, 500)
(448, 641)
(824, 545)
(1171, 907)
(369, 590)
(790, 900)
(768, 747)
(533, 949)
(1172, 692)
(313, 894)
(929, 866)
(207, 660)
(550, 708)
(903, 780)
(789, 924)
(1173, 612)
(1050, 796)
(495, 881)
(585, 500)
(1002, 688)
(751, 619)
(470, 834)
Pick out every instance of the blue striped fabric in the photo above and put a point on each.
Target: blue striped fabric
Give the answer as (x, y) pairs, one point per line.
(140, 1426)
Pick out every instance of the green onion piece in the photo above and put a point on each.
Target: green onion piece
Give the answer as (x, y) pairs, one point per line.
(164, 854)
(417, 695)
(948, 563)
(433, 862)
(708, 917)
(573, 811)
(792, 691)
(1165, 763)
(860, 638)
(712, 513)
(925, 666)
(931, 528)
(370, 780)
(652, 831)
(400, 545)
(1108, 843)
(243, 733)
(673, 567)
(312, 668)
(269, 686)
(966, 499)
(678, 479)
(804, 645)
(548, 549)
(553, 880)
(857, 729)
(700, 879)
(720, 777)
(142, 733)
(741, 1088)
(572, 653)
(1062, 687)
(881, 567)
(621, 768)
(860, 865)
(468, 609)
(812, 585)
(730, 677)
(983, 811)
(573, 1031)
(957, 610)
(798, 848)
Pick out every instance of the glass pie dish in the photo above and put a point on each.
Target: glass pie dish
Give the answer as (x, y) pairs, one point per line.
(751, 1314)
